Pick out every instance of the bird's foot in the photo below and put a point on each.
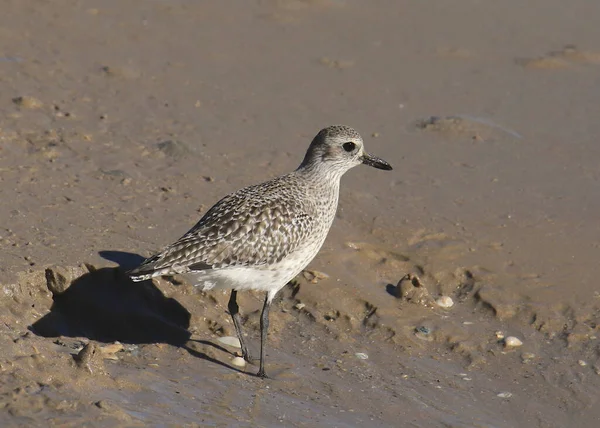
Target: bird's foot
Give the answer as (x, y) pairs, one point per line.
(247, 357)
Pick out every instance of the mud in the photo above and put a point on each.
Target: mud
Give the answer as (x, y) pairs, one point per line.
(121, 122)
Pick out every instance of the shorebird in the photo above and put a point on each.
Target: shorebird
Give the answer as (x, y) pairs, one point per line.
(262, 236)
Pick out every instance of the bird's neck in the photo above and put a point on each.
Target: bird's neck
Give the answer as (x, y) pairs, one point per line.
(320, 172)
(322, 183)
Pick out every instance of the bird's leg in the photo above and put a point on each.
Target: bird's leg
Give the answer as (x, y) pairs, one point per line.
(264, 326)
(234, 311)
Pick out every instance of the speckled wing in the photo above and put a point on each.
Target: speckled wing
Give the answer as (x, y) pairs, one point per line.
(252, 227)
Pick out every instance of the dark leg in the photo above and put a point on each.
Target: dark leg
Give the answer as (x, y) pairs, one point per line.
(234, 311)
(264, 326)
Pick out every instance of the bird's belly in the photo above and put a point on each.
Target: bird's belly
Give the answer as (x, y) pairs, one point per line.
(269, 278)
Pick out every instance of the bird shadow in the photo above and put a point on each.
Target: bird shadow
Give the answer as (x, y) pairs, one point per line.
(105, 305)
(125, 260)
(198, 354)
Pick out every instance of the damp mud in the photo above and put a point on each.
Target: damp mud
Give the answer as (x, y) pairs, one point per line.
(459, 290)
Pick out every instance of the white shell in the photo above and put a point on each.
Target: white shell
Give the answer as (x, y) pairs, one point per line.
(238, 362)
(512, 342)
(230, 341)
(361, 356)
(445, 302)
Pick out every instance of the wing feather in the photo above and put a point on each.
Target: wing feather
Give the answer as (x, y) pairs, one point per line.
(254, 226)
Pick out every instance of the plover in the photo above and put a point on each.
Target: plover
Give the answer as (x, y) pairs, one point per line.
(262, 236)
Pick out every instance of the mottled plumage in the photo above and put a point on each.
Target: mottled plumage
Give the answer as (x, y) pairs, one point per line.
(262, 236)
(255, 226)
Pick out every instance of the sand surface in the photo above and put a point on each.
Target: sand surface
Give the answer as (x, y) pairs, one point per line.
(122, 121)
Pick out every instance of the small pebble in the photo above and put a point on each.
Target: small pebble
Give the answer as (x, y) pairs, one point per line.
(512, 342)
(445, 302)
(582, 363)
(361, 356)
(499, 335)
(90, 359)
(299, 306)
(230, 341)
(238, 362)
(504, 394)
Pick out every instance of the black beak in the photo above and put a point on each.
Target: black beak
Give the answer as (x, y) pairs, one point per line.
(375, 162)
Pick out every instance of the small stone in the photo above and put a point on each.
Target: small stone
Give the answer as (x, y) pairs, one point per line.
(90, 359)
(445, 302)
(299, 306)
(230, 341)
(410, 288)
(512, 342)
(499, 335)
(582, 363)
(505, 394)
(58, 279)
(238, 362)
(361, 356)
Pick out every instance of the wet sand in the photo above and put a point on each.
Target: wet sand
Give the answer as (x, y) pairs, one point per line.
(121, 122)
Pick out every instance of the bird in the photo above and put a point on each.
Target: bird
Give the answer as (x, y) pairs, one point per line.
(262, 236)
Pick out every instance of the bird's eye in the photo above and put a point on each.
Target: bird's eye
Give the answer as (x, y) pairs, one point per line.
(349, 146)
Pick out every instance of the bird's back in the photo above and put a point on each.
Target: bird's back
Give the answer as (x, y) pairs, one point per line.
(259, 226)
